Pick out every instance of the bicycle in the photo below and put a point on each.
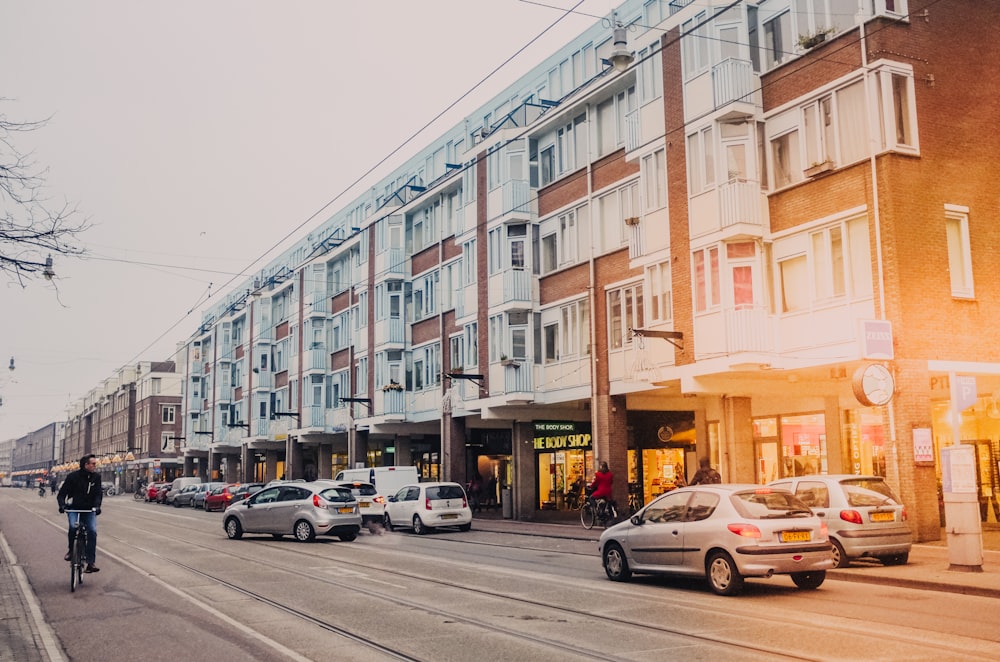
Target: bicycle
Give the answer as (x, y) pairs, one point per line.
(593, 511)
(78, 550)
(140, 494)
(41, 490)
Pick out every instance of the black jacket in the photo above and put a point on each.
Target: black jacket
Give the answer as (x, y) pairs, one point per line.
(81, 491)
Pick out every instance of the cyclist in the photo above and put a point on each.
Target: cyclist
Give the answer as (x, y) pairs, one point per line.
(82, 489)
(601, 487)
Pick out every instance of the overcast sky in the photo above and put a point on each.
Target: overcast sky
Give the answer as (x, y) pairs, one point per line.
(195, 135)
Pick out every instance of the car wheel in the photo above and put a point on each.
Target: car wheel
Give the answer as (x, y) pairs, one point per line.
(615, 563)
(177, 504)
(723, 575)
(465, 527)
(809, 580)
(418, 526)
(896, 559)
(234, 529)
(348, 537)
(840, 559)
(304, 531)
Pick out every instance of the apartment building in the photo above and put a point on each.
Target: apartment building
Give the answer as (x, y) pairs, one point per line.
(132, 423)
(756, 238)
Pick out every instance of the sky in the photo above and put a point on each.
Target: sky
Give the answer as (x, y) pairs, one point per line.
(194, 136)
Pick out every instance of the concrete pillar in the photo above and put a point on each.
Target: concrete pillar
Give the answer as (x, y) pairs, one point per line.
(324, 455)
(403, 455)
(836, 450)
(453, 450)
(270, 465)
(523, 458)
(293, 459)
(246, 464)
(739, 463)
(188, 466)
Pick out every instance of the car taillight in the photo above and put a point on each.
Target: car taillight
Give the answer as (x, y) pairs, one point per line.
(228, 497)
(427, 504)
(852, 516)
(745, 530)
(465, 503)
(318, 501)
(903, 513)
(824, 530)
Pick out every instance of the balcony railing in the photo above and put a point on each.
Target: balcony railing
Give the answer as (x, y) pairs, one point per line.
(516, 198)
(740, 201)
(517, 377)
(517, 286)
(393, 402)
(633, 130)
(263, 380)
(732, 82)
(747, 329)
(316, 359)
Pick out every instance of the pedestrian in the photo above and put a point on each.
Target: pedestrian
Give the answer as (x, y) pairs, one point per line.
(706, 475)
(491, 492)
(475, 489)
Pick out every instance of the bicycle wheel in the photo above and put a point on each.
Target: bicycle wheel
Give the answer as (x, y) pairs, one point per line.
(76, 563)
(587, 515)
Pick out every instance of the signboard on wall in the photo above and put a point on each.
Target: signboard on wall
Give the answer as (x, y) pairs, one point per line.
(876, 340)
(561, 435)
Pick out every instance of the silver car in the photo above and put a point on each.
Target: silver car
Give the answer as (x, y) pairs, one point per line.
(303, 510)
(864, 517)
(425, 506)
(723, 533)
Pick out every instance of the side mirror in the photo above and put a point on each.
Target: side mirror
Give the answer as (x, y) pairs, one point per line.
(392, 498)
(637, 520)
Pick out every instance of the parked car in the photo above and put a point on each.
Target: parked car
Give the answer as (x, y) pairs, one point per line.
(370, 502)
(176, 485)
(304, 510)
(864, 517)
(246, 490)
(425, 506)
(198, 500)
(153, 490)
(724, 533)
(183, 496)
(220, 497)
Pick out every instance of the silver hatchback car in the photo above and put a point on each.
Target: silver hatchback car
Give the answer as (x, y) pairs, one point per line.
(723, 533)
(864, 517)
(303, 510)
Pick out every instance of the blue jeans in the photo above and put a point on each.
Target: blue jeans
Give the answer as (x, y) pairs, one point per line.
(90, 523)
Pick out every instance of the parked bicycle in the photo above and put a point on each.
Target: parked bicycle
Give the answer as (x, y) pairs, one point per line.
(78, 551)
(593, 511)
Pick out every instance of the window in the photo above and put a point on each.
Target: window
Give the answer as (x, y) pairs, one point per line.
(424, 289)
(613, 209)
(741, 258)
(456, 352)
(897, 110)
(959, 251)
(650, 72)
(547, 164)
(550, 253)
(654, 175)
(706, 278)
(494, 253)
(659, 284)
(550, 334)
(472, 344)
(794, 284)
(785, 165)
(611, 120)
(624, 312)
(361, 375)
(574, 322)
(169, 414)
(701, 160)
(694, 45)
(777, 39)
(469, 275)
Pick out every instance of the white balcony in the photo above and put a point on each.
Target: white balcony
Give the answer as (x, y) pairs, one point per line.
(512, 289)
(263, 380)
(511, 201)
(735, 88)
(737, 209)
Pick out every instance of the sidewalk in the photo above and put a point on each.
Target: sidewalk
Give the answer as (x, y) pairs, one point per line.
(24, 635)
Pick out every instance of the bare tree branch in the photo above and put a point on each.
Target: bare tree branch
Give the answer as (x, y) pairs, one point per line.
(31, 229)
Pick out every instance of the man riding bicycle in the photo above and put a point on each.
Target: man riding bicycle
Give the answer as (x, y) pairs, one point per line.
(601, 486)
(82, 490)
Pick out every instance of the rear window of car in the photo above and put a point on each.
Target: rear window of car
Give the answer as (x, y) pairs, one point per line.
(337, 494)
(364, 489)
(445, 492)
(769, 504)
(862, 492)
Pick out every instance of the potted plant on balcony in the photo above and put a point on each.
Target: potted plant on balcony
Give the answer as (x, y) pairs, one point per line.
(392, 386)
(504, 361)
(810, 40)
(818, 168)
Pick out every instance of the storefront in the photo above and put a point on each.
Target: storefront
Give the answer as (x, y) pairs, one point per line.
(564, 459)
(661, 455)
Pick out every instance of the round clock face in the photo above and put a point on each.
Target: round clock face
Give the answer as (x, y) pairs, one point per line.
(873, 385)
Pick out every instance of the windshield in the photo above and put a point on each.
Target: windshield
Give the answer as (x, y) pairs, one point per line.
(769, 504)
(445, 492)
(874, 492)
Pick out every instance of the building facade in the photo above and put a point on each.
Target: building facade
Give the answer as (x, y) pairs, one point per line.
(760, 242)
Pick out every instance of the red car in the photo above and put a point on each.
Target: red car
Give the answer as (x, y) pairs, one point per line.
(152, 492)
(220, 497)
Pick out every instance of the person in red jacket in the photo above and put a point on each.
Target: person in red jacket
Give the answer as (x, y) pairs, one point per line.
(600, 487)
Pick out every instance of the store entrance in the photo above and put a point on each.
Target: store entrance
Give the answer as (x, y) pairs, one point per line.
(987, 480)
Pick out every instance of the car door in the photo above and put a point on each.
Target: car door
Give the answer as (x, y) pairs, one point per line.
(658, 543)
(700, 530)
(257, 512)
(286, 510)
(407, 500)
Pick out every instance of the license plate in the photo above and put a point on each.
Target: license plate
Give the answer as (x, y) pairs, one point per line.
(796, 536)
(883, 517)
(363, 504)
(451, 516)
(346, 511)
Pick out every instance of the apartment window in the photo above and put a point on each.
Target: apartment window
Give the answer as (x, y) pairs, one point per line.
(705, 264)
(169, 414)
(614, 208)
(694, 45)
(472, 343)
(547, 164)
(574, 321)
(361, 375)
(777, 39)
(650, 73)
(654, 175)
(659, 284)
(550, 253)
(625, 311)
(611, 120)
(701, 160)
(959, 251)
(785, 163)
(456, 352)
(494, 252)
(423, 296)
(897, 110)
(469, 276)
(794, 273)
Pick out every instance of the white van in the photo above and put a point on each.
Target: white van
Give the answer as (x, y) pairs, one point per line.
(387, 480)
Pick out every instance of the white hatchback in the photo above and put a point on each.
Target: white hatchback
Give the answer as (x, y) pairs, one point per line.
(427, 506)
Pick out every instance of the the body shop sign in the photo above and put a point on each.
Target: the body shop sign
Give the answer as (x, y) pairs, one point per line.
(561, 435)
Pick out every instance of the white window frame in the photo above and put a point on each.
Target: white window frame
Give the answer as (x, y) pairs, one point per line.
(625, 311)
(959, 251)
